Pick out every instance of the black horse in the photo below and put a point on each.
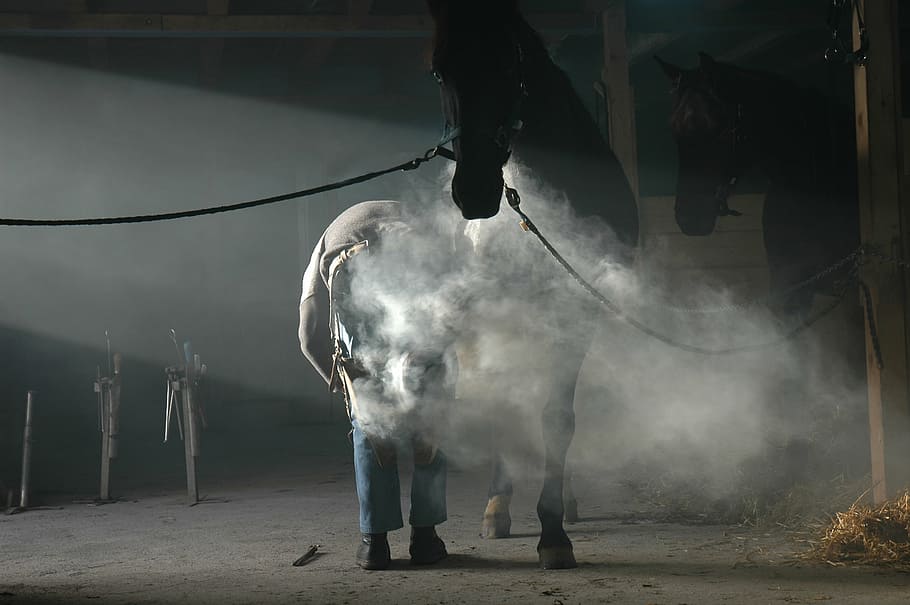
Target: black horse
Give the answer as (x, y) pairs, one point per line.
(726, 120)
(502, 93)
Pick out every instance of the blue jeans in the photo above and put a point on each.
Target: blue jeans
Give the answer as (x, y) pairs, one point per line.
(379, 490)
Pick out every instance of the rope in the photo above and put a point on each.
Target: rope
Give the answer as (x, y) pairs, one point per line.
(169, 216)
(515, 201)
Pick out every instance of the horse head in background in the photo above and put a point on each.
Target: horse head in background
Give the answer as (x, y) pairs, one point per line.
(727, 120)
(706, 123)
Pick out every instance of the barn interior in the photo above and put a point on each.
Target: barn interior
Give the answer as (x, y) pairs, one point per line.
(693, 473)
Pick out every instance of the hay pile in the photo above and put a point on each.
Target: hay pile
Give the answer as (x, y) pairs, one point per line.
(868, 535)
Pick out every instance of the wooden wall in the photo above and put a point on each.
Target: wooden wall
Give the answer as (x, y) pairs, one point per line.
(733, 257)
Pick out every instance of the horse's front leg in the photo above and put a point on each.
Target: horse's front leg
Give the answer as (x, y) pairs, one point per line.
(555, 549)
(497, 520)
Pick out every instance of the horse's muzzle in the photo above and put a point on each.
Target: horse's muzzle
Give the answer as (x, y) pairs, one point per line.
(477, 198)
(698, 221)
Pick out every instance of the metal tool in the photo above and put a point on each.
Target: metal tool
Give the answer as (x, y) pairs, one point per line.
(174, 382)
(308, 556)
(186, 378)
(108, 390)
(25, 484)
(26, 450)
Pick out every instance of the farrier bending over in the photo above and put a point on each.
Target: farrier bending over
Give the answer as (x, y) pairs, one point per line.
(373, 328)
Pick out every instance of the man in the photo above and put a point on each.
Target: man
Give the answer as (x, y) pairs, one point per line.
(362, 331)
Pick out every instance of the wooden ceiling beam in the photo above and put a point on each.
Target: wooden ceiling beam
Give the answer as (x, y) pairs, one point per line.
(218, 7)
(76, 6)
(281, 26)
(684, 20)
(753, 46)
(646, 46)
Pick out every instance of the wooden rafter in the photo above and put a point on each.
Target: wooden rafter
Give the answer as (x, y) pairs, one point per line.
(681, 19)
(218, 7)
(753, 45)
(645, 47)
(226, 25)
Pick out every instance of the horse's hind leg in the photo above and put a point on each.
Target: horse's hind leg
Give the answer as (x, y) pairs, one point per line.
(497, 522)
(555, 548)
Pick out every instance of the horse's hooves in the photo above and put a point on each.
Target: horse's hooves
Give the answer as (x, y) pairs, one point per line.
(498, 525)
(557, 557)
(571, 511)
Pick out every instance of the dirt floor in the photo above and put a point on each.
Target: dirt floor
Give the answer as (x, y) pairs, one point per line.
(238, 548)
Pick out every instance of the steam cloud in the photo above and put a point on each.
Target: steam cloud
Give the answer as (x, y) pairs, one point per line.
(638, 401)
(520, 321)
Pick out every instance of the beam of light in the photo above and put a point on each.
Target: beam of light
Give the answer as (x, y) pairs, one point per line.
(84, 143)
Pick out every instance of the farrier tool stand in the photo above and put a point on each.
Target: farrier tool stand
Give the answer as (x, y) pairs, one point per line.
(186, 378)
(108, 390)
(25, 481)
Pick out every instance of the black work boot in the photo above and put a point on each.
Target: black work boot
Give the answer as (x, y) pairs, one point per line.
(426, 547)
(373, 552)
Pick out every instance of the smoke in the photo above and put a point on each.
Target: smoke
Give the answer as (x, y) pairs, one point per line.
(134, 145)
(521, 325)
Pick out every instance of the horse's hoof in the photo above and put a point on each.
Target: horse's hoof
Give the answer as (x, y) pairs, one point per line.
(571, 511)
(497, 523)
(557, 557)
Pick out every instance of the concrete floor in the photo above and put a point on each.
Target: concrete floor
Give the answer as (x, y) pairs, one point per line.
(152, 548)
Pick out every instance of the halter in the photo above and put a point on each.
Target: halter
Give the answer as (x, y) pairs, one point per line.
(449, 134)
(503, 135)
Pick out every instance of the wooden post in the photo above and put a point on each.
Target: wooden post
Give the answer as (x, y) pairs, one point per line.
(619, 94)
(884, 227)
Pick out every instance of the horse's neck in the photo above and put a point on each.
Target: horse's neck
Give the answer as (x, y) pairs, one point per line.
(555, 116)
(800, 140)
(560, 141)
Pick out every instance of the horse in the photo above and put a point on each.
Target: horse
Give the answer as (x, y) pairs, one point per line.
(502, 95)
(725, 120)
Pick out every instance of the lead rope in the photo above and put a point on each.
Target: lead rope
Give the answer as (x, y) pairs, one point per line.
(527, 224)
(168, 216)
